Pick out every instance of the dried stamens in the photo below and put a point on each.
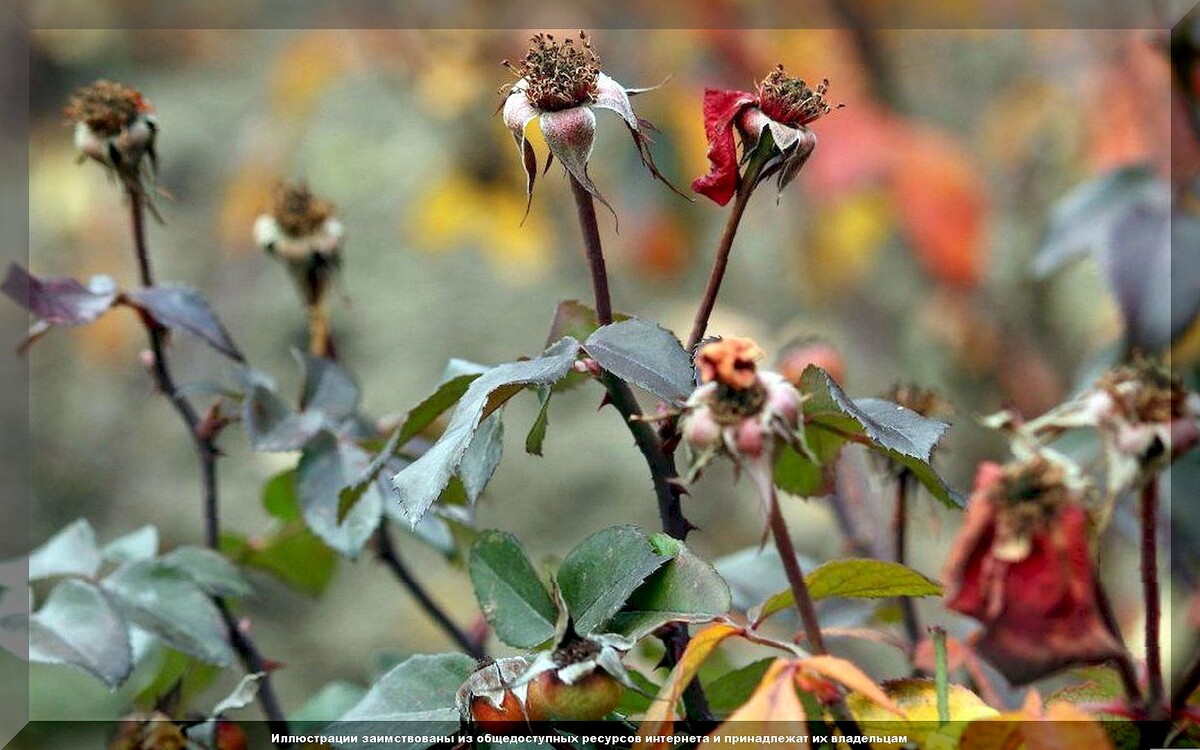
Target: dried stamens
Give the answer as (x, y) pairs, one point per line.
(105, 107)
(559, 75)
(1146, 391)
(790, 100)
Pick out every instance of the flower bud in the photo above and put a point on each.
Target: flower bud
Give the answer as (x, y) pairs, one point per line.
(700, 431)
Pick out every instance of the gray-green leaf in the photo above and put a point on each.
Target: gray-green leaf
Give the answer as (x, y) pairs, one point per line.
(645, 354)
(70, 552)
(209, 570)
(511, 595)
(169, 604)
(598, 576)
(78, 627)
(420, 483)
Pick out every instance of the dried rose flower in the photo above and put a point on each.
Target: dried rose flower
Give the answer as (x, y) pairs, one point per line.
(115, 125)
(783, 107)
(1144, 414)
(1022, 566)
(560, 84)
(302, 230)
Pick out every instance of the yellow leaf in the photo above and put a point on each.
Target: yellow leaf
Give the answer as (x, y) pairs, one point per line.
(773, 709)
(853, 678)
(917, 698)
(1061, 725)
(660, 717)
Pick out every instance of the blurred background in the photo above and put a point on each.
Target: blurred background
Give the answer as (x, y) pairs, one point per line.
(906, 243)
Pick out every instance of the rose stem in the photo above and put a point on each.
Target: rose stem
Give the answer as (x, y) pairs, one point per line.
(1154, 693)
(389, 556)
(908, 608)
(663, 473)
(804, 602)
(206, 451)
(745, 188)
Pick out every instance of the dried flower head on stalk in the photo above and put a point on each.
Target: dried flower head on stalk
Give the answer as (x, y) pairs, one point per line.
(1144, 414)
(781, 107)
(1022, 565)
(302, 230)
(115, 126)
(560, 84)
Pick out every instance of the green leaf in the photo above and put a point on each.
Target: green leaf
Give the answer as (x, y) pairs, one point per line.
(686, 589)
(141, 544)
(634, 702)
(171, 670)
(422, 688)
(855, 578)
(279, 496)
(293, 554)
(898, 433)
(78, 627)
(70, 552)
(511, 595)
(798, 474)
(207, 569)
(645, 354)
(328, 465)
(167, 603)
(728, 692)
(482, 457)
(420, 483)
(598, 577)
(537, 433)
(330, 702)
(328, 387)
(458, 377)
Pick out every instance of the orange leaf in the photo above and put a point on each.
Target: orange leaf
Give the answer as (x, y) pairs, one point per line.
(660, 717)
(940, 201)
(774, 709)
(853, 678)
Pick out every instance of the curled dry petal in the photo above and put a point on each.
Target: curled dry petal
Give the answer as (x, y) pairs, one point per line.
(730, 362)
(518, 113)
(721, 111)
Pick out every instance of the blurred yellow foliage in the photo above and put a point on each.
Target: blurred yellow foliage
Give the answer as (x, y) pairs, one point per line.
(844, 241)
(458, 212)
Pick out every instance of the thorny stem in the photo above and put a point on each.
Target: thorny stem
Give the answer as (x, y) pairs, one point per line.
(663, 473)
(389, 556)
(721, 261)
(206, 451)
(1155, 693)
(908, 608)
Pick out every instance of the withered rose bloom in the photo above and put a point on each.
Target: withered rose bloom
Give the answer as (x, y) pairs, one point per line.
(1022, 566)
(782, 107)
(302, 230)
(114, 125)
(560, 84)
